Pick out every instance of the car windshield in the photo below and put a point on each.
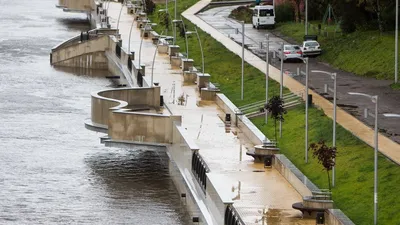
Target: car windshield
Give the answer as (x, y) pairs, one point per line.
(292, 47)
(266, 12)
(311, 44)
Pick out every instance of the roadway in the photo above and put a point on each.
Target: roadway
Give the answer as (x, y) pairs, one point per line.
(389, 100)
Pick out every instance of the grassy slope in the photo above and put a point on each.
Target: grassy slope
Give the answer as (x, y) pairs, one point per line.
(353, 193)
(364, 53)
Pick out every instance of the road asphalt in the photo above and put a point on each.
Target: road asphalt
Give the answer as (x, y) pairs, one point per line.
(255, 40)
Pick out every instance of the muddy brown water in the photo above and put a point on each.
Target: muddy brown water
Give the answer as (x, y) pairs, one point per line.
(53, 170)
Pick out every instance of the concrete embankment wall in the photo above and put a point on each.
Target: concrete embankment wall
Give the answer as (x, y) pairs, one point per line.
(110, 110)
(73, 5)
(88, 54)
(106, 100)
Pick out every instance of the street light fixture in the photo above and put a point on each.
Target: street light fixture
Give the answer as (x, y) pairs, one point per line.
(242, 82)
(333, 76)
(281, 85)
(184, 30)
(154, 59)
(374, 99)
(141, 40)
(201, 47)
(120, 11)
(266, 76)
(305, 60)
(393, 115)
(396, 47)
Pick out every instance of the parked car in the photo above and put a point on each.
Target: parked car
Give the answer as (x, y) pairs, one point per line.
(290, 52)
(311, 47)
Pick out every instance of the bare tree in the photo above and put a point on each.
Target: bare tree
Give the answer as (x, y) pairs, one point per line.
(326, 156)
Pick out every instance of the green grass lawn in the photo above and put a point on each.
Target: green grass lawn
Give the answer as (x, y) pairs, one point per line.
(353, 192)
(366, 53)
(354, 187)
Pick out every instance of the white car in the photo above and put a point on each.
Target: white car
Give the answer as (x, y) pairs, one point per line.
(290, 52)
(311, 48)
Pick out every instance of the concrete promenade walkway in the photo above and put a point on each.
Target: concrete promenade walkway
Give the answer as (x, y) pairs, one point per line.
(386, 146)
(252, 187)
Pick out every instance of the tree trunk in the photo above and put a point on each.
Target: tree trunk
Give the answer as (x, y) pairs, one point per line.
(298, 11)
(329, 181)
(378, 15)
(275, 129)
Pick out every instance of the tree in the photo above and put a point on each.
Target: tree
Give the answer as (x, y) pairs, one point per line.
(150, 6)
(326, 156)
(276, 110)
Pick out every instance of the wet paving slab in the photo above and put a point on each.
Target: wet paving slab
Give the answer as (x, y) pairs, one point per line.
(252, 187)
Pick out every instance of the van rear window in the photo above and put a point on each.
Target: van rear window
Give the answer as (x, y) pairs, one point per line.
(266, 12)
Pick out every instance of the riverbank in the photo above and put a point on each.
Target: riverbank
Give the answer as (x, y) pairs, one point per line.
(226, 67)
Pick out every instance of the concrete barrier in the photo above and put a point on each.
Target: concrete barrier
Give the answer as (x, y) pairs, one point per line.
(241, 121)
(87, 54)
(294, 176)
(126, 125)
(336, 217)
(114, 99)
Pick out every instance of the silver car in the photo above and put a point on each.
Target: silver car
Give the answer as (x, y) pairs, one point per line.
(292, 52)
(311, 47)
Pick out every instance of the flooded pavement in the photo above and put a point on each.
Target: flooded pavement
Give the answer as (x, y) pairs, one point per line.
(53, 170)
(389, 100)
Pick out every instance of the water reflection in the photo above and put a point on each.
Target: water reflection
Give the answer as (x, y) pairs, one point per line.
(139, 175)
(53, 170)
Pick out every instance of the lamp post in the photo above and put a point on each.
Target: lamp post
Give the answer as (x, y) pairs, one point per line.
(120, 11)
(154, 59)
(242, 81)
(305, 60)
(374, 99)
(306, 17)
(184, 30)
(333, 76)
(141, 41)
(396, 43)
(281, 86)
(174, 23)
(266, 76)
(201, 47)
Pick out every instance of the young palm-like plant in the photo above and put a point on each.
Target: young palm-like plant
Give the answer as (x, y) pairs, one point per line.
(276, 110)
(326, 156)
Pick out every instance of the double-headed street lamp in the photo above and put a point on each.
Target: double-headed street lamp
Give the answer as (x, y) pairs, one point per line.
(142, 37)
(201, 47)
(333, 76)
(154, 59)
(374, 99)
(184, 30)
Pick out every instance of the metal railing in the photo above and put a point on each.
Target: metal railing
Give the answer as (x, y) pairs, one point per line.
(199, 169)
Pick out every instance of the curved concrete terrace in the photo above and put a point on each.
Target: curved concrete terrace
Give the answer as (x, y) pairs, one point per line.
(131, 113)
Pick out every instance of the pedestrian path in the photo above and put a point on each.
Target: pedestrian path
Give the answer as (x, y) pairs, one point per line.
(253, 188)
(386, 146)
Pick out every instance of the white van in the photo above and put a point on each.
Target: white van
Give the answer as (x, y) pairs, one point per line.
(263, 15)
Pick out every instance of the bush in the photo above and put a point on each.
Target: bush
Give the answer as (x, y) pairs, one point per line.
(150, 7)
(242, 13)
(284, 12)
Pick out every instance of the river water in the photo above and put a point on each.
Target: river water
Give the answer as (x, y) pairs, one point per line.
(53, 170)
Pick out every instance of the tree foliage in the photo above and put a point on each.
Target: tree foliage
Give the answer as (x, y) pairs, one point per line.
(150, 6)
(326, 156)
(276, 110)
